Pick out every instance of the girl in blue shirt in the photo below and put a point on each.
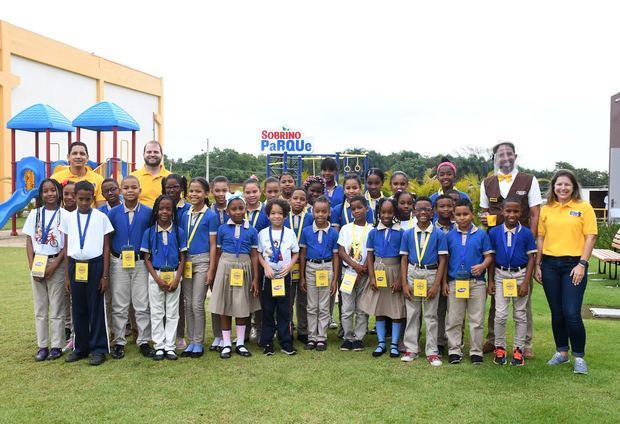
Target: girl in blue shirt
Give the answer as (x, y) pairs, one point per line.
(235, 290)
(341, 214)
(383, 296)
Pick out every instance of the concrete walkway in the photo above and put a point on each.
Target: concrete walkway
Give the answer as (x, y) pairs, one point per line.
(6, 240)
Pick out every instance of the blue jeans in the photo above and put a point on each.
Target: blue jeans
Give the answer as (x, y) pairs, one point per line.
(565, 301)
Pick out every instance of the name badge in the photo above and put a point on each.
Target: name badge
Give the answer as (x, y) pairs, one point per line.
(236, 277)
(575, 213)
(81, 272)
(167, 276)
(295, 273)
(277, 287)
(380, 278)
(322, 278)
(128, 256)
(39, 263)
(348, 282)
(419, 288)
(510, 287)
(491, 220)
(462, 289)
(493, 199)
(188, 270)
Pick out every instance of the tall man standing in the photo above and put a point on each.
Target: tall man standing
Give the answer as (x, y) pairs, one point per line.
(507, 181)
(151, 174)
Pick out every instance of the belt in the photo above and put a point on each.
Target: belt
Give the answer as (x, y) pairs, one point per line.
(514, 269)
(138, 256)
(90, 261)
(319, 261)
(572, 258)
(431, 266)
(52, 256)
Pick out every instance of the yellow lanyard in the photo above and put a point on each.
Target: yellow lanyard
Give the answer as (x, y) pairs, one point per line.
(370, 205)
(301, 223)
(193, 230)
(256, 213)
(419, 254)
(345, 206)
(357, 242)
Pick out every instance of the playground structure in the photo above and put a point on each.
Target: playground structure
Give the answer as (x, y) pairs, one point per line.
(29, 171)
(294, 163)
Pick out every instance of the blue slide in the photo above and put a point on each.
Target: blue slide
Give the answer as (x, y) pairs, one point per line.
(22, 196)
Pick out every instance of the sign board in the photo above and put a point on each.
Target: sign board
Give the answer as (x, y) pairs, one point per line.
(285, 140)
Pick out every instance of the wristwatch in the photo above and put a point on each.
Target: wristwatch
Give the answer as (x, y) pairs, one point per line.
(583, 262)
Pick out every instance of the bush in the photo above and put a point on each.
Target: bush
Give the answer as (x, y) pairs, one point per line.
(606, 235)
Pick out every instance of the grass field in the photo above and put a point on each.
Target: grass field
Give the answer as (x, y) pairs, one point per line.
(311, 387)
(20, 223)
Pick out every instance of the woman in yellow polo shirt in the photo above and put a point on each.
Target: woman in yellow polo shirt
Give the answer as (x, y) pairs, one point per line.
(566, 235)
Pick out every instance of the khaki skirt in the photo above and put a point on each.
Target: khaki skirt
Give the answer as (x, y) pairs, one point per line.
(382, 302)
(234, 301)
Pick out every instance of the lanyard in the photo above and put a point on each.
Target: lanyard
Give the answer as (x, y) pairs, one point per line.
(357, 242)
(463, 249)
(301, 223)
(191, 229)
(510, 250)
(83, 234)
(254, 215)
(345, 209)
(420, 253)
(238, 241)
(275, 255)
(45, 229)
(370, 205)
(133, 221)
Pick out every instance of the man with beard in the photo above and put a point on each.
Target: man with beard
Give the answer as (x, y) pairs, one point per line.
(506, 182)
(151, 174)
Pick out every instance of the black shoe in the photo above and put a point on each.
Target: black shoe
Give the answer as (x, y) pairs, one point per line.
(146, 350)
(310, 345)
(454, 359)
(358, 345)
(225, 353)
(373, 331)
(303, 338)
(74, 356)
(440, 350)
(380, 350)
(67, 335)
(171, 355)
(394, 352)
(42, 354)
(268, 350)
(118, 351)
(289, 350)
(187, 353)
(347, 345)
(243, 351)
(198, 354)
(97, 359)
(476, 359)
(55, 353)
(321, 346)
(159, 355)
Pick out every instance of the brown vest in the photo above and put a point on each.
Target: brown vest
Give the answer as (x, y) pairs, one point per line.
(519, 189)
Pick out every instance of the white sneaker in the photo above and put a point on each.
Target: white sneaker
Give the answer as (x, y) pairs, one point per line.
(333, 325)
(580, 366)
(253, 334)
(434, 360)
(408, 357)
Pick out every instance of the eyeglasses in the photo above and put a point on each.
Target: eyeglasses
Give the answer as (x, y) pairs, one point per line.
(423, 209)
(174, 187)
(110, 190)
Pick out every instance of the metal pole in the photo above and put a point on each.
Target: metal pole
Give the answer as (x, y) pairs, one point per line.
(133, 151)
(13, 181)
(36, 144)
(268, 165)
(48, 163)
(207, 160)
(115, 134)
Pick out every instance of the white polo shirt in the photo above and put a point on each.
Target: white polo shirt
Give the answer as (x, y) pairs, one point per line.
(93, 244)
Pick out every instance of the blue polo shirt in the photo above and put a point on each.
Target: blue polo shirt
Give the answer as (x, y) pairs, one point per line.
(522, 245)
(436, 245)
(162, 255)
(207, 226)
(341, 215)
(337, 195)
(478, 244)
(442, 228)
(308, 220)
(222, 217)
(435, 195)
(385, 247)
(121, 237)
(258, 218)
(181, 210)
(310, 241)
(227, 242)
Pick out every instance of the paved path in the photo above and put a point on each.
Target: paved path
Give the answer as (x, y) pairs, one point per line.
(6, 240)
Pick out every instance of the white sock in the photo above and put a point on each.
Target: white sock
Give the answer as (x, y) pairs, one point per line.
(240, 335)
(226, 337)
(217, 341)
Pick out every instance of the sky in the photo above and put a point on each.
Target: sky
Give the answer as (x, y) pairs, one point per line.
(432, 77)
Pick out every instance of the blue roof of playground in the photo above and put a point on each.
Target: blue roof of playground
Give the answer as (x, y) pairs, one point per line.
(104, 116)
(38, 118)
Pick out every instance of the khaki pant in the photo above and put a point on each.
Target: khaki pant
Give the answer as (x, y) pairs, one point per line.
(474, 307)
(501, 310)
(421, 306)
(129, 287)
(442, 314)
(195, 293)
(299, 300)
(49, 308)
(351, 311)
(318, 302)
(164, 309)
(529, 324)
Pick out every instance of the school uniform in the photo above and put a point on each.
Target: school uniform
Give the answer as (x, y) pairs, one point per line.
(182, 208)
(129, 286)
(422, 248)
(442, 306)
(341, 215)
(222, 218)
(258, 218)
(467, 248)
(320, 245)
(298, 297)
(335, 195)
(43, 227)
(277, 248)
(86, 233)
(236, 242)
(353, 238)
(512, 248)
(434, 196)
(408, 223)
(164, 245)
(198, 227)
(385, 242)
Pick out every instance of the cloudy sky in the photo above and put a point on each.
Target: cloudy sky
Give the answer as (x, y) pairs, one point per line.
(425, 76)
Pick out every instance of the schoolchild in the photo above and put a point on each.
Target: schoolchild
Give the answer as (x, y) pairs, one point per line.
(69, 204)
(287, 184)
(271, 189)
(374, 184)
(405, 201)
(329, 172)
(111, 193)
(341, 214)
(315, 187)
(399, 181)
(446, 174)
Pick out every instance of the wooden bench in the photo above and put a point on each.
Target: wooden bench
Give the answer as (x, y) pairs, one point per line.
(607, 256)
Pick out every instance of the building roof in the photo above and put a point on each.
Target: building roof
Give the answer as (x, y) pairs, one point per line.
(104, 116)
(38, 118)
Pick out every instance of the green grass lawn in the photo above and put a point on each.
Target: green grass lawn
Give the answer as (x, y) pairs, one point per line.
(20, 223)
(311, 387)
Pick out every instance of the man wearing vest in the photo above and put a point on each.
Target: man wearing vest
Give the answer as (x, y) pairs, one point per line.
(151, 174)
(509, 182)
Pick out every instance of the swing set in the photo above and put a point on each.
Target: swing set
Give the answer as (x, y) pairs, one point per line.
(346, 163)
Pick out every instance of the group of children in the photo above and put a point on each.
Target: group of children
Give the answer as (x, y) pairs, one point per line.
(401, 259)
